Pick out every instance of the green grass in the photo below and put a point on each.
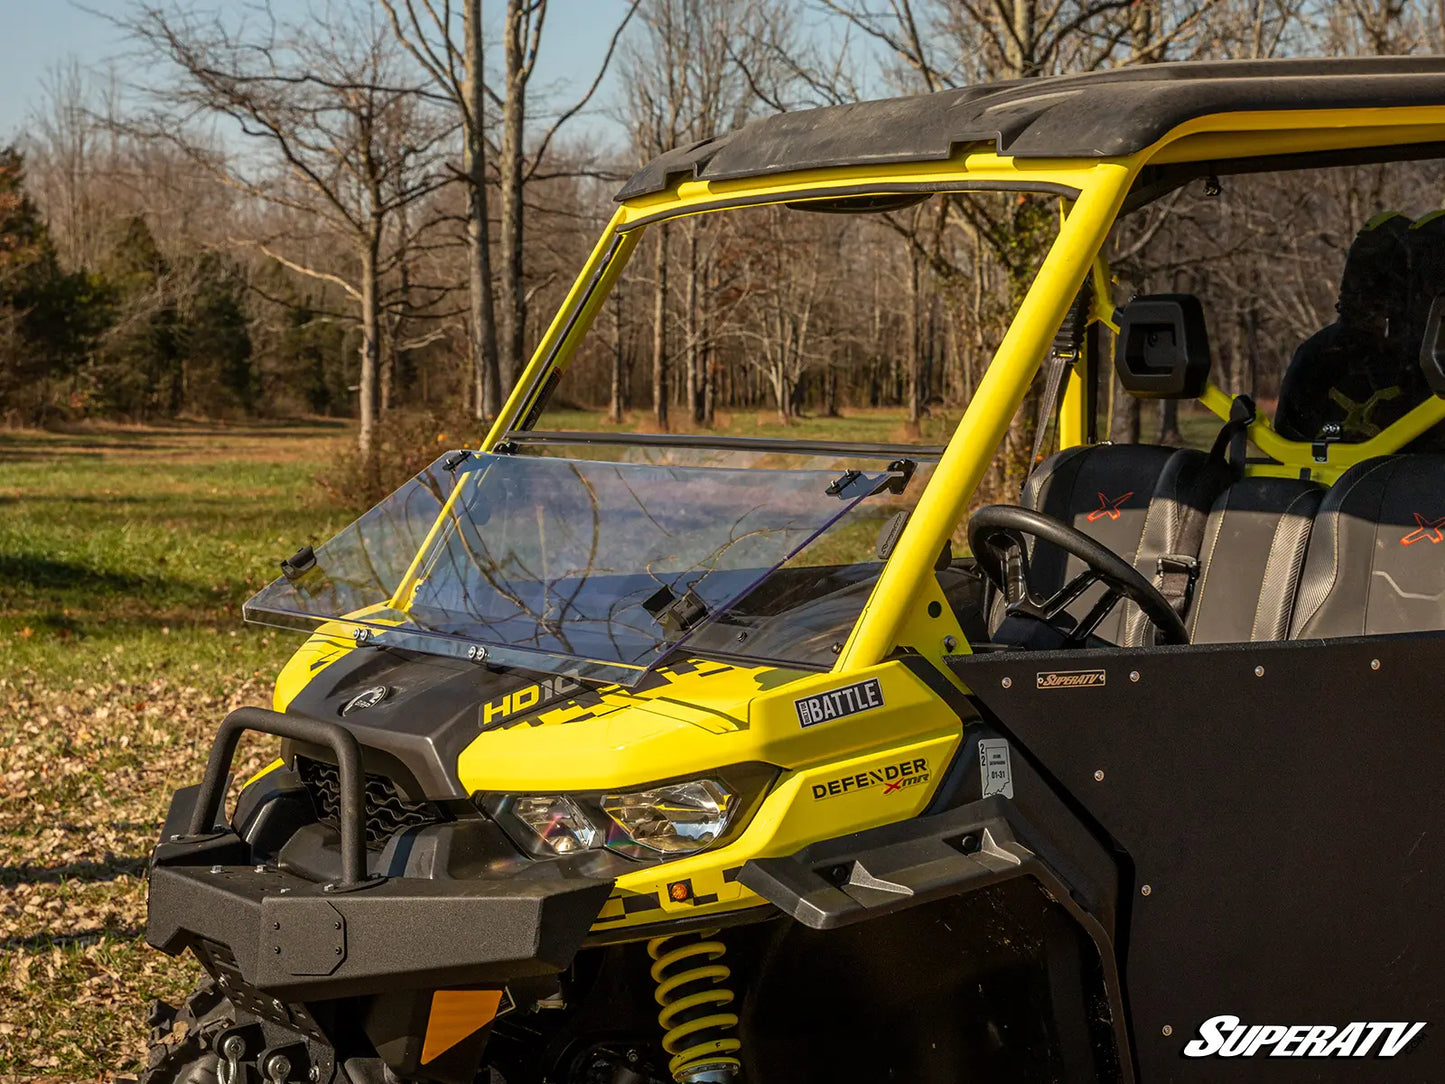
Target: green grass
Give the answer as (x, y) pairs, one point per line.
(125, 555)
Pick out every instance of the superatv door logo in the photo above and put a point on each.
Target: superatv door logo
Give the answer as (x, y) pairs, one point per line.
(837, 703)
(1069, 679)
(892, 778)
(1227, 1037)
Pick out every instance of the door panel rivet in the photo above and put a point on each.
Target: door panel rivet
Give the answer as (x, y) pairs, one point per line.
(1099, 776)
(1146, 890)
(1168, 1030)
(1374, 664)
(1133, 675)
(1259, 671)
(1007, 683)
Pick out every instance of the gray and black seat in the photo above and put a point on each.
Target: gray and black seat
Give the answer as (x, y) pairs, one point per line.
(1250, 560)
(1135, 499)
(1376, 560)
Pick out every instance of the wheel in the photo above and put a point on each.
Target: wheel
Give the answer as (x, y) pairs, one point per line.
(182, 1040)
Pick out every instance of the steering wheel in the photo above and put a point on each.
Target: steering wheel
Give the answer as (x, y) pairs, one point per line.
(996, 535)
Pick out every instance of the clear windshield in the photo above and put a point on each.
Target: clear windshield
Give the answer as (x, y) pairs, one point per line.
(591, 569)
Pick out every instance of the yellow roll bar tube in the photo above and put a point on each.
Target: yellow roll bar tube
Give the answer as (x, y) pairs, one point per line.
(988, 416)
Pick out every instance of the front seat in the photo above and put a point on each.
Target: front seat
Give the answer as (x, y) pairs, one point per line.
(1133, 498)
(1376, 558)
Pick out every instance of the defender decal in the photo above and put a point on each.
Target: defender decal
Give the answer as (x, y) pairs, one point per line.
(1069, 679)
(892, 778)
(839, 703)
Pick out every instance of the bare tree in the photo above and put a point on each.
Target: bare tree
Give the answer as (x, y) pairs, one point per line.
(314, 101)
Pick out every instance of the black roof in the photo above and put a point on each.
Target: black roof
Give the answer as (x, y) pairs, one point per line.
(1094, 115)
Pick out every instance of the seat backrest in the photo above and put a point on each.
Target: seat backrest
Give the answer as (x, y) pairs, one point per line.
(1335, 375)
(1250, 560)
(1131, 498)
(1376, 557)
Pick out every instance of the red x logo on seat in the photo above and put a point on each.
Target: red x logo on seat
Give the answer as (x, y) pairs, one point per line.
(1426, 528)
(1110, 508)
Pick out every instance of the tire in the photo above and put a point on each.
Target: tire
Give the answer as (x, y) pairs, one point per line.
(182, 1040)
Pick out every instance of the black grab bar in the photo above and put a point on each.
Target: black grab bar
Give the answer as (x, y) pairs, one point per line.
(348, 762)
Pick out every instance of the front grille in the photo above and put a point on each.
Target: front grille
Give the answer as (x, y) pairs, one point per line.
(387, 813)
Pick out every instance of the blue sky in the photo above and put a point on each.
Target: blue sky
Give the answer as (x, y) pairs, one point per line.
(38, 35)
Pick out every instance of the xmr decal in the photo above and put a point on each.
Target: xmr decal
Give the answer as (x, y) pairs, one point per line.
(1069, 679)
(892, 778)
(1108, 506)
(838, 703)
(1227, 1037)
(1425, 529)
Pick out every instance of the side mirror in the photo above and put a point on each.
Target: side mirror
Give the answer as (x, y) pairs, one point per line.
(1162, 350)
(1432, 347)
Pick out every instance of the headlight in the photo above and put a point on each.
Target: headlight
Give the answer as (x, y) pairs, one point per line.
(680, 819)
(652, 824)
(558, 822)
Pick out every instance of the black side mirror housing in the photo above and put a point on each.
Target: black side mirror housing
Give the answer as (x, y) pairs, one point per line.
(1162, 351)
(1432, 347)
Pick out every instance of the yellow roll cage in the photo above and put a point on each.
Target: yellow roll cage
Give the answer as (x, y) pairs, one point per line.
(1097, 187)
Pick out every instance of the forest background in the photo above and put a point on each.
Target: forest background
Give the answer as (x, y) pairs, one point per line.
(368, 210)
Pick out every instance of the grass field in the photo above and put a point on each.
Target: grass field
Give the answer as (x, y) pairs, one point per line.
(124, 558)
(125, 555)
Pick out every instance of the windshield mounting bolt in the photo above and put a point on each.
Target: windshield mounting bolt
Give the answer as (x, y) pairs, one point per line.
(1374, 664)
(1099, 776)
(1007, 683)
(1259, 671)
(1134, 675)
(217, 869)
(476, 653)
(1146, 890)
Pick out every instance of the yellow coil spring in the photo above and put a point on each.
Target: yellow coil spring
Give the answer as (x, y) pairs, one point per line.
(695, 1033)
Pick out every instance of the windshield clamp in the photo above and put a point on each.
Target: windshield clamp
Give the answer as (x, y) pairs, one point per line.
(904, 468)
(676, 615)
(299, 563)
(455, 460)
(842, 482)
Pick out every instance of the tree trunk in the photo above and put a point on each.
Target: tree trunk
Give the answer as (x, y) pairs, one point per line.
(510, 161)
(486, 371)
(694, 330)
(370, 345)
(915, 332)
(614, 410)
(659, 330)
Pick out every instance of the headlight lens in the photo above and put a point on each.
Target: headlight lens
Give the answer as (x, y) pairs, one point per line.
(558, 822)
(682, 818)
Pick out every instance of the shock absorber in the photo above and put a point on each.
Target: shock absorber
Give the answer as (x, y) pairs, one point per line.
(691, 988)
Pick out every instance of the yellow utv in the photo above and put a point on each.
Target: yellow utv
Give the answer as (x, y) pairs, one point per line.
(624, 758)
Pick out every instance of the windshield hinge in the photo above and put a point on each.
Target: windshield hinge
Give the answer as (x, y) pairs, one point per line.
(455, 460)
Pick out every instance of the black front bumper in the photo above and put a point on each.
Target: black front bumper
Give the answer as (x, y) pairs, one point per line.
(300, 940)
